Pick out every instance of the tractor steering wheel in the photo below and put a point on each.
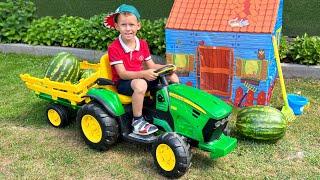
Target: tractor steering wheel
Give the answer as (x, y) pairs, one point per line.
(167, 69)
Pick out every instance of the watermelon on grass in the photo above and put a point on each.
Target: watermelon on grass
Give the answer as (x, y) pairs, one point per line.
(63, 67)
(261, 122)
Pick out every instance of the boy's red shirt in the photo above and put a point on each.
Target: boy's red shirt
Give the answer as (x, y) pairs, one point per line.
(132, 60)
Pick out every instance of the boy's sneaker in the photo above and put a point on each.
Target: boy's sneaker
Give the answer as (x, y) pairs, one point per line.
(142, 127)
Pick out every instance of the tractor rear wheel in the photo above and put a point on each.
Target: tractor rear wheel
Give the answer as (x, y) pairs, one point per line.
(98, 129)
(57, 115)
(172, 155)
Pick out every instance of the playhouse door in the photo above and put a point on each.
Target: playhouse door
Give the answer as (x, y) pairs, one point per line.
(216, 70)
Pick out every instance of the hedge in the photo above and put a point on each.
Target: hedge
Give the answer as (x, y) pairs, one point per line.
(15, 18)
(90, 33)
(301, 50)
(18, 24)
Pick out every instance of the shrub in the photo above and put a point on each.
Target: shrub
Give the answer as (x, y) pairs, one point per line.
(43, 31)
(15, 17)
(153, 32)
(284, 48)
(90, 33)
(69, 31)
(305, 50)
(94, 35)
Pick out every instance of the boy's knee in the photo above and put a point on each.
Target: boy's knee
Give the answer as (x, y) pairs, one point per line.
(139, 85)
(173, 78)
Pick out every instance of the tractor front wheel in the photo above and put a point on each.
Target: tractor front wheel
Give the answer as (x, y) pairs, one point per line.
(172, 155)
(58, 115)
(98, 129)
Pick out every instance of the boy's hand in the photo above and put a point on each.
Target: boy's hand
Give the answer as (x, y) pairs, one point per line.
(175, 68)
(150, 75)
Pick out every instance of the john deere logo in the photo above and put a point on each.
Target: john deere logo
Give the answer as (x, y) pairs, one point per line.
(141, 58)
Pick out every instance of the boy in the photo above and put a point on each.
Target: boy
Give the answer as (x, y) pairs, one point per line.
(126, 55)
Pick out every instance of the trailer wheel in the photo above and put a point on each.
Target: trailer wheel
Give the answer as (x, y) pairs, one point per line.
(172, 155)
(57, 115)
(98, 129)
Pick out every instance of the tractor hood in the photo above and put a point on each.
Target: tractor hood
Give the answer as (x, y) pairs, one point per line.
(201, 100)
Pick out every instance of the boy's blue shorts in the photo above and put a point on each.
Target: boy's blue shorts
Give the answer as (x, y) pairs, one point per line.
(124, 86)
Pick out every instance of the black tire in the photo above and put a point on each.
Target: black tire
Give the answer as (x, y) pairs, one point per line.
(176, 147)
(98, 129)
(57, 115)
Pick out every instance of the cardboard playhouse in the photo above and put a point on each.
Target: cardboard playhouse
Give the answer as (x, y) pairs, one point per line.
(225, 46)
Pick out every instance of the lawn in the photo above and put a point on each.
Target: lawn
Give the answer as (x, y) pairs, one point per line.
(30, 148)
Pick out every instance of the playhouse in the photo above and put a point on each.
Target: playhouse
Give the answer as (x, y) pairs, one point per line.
(225, 46)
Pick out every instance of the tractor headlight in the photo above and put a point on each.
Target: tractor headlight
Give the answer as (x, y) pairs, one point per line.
(217, 124)
(222, 122)
(213, 128)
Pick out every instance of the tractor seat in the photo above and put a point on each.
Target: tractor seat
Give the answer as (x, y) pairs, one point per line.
(125, 99)
(106, 73)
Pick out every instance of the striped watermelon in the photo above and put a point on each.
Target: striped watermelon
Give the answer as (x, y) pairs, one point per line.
(63, 67)
(261, 122)
(86, 73)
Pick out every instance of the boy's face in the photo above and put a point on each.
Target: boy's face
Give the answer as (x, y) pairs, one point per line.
(128, 25)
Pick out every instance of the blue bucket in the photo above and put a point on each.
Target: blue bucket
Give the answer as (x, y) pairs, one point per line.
(297, 103)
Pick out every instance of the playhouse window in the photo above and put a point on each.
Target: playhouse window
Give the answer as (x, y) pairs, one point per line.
(184, 63)
(252, 69)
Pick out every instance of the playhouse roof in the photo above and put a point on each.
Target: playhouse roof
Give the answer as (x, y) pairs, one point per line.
(252, 16)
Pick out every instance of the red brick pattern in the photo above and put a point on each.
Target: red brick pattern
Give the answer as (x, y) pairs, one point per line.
(216, 15)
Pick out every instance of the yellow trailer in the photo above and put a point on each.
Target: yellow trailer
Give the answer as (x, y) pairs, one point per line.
(69, 94)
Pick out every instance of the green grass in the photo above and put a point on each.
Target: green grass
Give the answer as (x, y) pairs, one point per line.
(30, 148)
(300, 17)
(154, 9)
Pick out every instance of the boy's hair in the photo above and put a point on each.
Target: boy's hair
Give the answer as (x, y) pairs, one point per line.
(124, 13)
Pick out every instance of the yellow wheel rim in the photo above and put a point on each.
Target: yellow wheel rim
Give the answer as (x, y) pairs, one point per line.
(165, 157)
(54, 117)
(91, 128)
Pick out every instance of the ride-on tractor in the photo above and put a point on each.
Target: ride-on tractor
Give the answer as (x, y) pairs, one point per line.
(186, 116)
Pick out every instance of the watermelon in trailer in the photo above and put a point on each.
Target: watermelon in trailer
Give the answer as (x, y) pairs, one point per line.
(86, 73)
(261, 122)
(63, 67)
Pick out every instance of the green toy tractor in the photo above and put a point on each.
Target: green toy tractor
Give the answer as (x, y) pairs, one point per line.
(186, 117)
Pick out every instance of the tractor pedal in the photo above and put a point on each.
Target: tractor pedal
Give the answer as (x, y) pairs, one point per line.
(142, 139)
